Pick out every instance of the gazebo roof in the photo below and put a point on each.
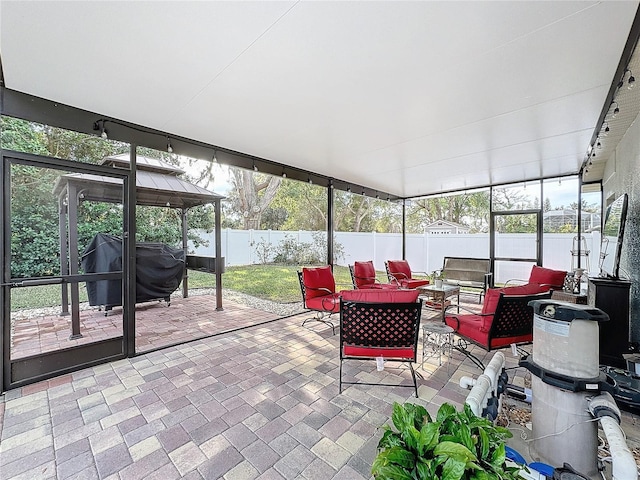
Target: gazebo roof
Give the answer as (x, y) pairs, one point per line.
(157, 185)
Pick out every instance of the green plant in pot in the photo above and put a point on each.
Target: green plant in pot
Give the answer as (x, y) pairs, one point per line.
(454, 446)
(436, 278)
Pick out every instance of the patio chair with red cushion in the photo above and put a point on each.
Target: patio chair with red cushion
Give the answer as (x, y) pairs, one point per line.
(377, 323)
(363, 275)
(545, 277)
(318, 288)
(399, 272)
(506, 319)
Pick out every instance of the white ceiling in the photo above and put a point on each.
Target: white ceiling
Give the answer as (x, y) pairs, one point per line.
(409, 98)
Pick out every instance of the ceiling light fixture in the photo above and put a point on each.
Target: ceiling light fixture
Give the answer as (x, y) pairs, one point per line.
(214, 159)
(599, 144)
(255, 167)
(310, 181)
(284, 174)
(169, 147)
(348, 188)
(616, 110)
(632, 80)
(100, 125)
(377, 196)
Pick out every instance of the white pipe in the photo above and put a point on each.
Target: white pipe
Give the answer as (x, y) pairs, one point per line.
(623, 465)
(494, 369)
(466, 382)
(477, 398)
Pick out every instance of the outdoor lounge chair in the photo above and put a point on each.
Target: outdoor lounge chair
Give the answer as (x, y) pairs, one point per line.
(399, 272)
(506, 319)
(380, 323)
(363, 275)
(318, 288)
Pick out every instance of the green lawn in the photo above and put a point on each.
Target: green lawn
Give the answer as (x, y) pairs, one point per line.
(278, 283)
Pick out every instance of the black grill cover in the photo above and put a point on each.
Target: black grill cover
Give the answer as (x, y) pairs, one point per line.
(159, 270)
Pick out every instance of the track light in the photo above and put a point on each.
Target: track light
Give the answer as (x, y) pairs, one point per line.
(616, 110)
(255, 167)
(169, 147)
(284, 174)
(99, 125)
(377, 196)
(310, 181)
(363, 192)
(214, 159)
(631, 82)
(348, 188)
(599, 144)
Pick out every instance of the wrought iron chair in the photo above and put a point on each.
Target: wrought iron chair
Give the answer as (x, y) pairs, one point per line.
(363, 275)
(511, 322)
(318, 288)
(399, 272)
(370, 330)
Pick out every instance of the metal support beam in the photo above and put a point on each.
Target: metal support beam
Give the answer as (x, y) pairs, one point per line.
(74, 260)
(219, 265)
(185, 277)
(129, 258)
(404, 229)
(330, 226)
(64, 255)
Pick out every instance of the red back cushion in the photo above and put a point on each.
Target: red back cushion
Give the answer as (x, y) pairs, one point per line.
(491, 300)
(401, 267)
(320, 277)
(376, 295)
(546, 276)
(493, 294)
(364, 273)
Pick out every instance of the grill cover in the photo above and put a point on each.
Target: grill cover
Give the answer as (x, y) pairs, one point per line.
(159, 270)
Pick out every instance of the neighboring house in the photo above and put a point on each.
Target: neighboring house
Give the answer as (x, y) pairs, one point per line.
(444, 227)
(555, 219)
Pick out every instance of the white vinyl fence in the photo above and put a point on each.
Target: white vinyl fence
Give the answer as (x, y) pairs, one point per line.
(425, 252)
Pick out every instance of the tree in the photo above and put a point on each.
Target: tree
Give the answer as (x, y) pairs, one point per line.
(252, 195)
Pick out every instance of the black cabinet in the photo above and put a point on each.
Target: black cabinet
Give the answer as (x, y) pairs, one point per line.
(612, 297)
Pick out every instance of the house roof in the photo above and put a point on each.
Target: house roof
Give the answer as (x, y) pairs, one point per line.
(409, 98)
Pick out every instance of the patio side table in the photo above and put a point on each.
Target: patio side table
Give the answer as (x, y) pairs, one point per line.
(436, 341)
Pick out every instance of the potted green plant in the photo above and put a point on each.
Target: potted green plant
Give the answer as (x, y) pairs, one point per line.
(454, 446)
(436, 277)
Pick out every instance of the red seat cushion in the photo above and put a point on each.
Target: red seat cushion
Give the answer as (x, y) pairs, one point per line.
(413, 283)
(380, 296)
(476, 328)
(547, 276)
(315, 279)
(352, 351)
(327, 303)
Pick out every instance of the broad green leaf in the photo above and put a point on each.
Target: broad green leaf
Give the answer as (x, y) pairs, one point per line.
(480, 475)
(455, 450)
(453, 469)
(445, 411)
(499, 456)
(425, 470)
(400, 456)
(411, 437)
(398, 416)
(392, 472)
(390, 439)
(429, 437)
(464, 434)
(484, 443)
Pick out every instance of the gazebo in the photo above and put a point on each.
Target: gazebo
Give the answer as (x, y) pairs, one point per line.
(158, 184)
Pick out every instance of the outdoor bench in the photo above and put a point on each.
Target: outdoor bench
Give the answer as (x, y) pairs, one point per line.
(468, 272)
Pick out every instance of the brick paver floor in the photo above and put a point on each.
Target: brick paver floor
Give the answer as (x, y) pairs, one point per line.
(259, 403)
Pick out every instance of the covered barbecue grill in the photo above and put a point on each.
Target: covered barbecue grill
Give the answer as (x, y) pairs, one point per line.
(157, 184)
